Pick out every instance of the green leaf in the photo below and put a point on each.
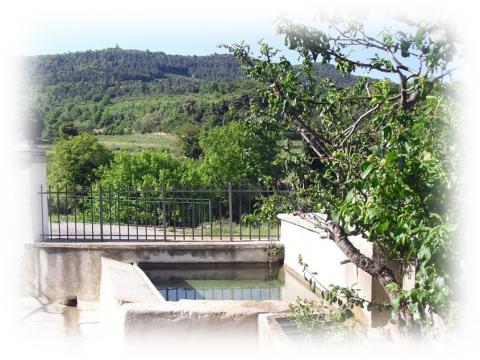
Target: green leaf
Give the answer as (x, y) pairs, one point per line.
(382, 227)
(350, 195)
(336, 217)
(390, 158)
(367, 171)
(424, 253)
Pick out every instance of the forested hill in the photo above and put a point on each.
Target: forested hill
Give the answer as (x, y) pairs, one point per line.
(116, 65)
(118, 91)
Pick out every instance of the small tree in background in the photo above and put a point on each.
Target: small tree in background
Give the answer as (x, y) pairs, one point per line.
(236, 153)
(74, 161)
(189, 140)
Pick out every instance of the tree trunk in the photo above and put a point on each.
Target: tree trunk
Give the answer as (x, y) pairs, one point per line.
(373, 267)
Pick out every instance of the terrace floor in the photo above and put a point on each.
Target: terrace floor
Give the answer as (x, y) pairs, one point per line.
(44, 320)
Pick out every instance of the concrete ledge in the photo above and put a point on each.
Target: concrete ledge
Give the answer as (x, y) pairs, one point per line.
(132, 308)
(270, 333)
(150, 245)
(194, 320)
(126, 283)
(300, 222)
(121, 283)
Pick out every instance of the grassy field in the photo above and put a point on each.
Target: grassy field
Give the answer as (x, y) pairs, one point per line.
(137, 142)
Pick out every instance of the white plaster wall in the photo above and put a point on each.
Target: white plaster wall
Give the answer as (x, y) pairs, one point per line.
(33, 174)
(321, 255)
(38, 177)
(295, 286)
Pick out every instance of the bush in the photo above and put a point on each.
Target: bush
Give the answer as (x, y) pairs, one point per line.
(234, 153)
(146, 169)
(189, 140)
(74, 161)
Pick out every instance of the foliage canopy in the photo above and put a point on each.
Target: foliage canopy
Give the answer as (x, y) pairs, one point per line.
(381, 153)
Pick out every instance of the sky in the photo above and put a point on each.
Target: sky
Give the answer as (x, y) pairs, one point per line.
(178, 38)
(199, 36)
(173, 29)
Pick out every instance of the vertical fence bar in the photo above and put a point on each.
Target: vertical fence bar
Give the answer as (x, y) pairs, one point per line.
(92, 207)
(230, 210)
(58, 212)
(174, 220)
(249, 211)
(49, 203)
(183, 217)
(210, 218)
(136, 213)
(155, 213)
(41, 210)
(145, 194)
(202, 215)
(127, 213)
(110, 209)
(240, 210)
(83, 213)
(66, 207)
(118, 214)
(220, 215)
(164, 213)
(259, 231)
(192, 220)
(260, 224)
(75, 211)
(100, 210)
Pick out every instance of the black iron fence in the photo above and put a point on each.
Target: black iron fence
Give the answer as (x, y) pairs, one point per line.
(113, 214)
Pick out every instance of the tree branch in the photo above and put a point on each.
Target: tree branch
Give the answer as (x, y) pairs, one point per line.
(352, 127)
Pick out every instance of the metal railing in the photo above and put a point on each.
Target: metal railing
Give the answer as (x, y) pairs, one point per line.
(98, 214)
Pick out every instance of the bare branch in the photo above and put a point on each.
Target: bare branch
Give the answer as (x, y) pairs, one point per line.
(350, 130)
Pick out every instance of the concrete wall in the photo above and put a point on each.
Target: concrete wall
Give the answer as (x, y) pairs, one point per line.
(66, 269)
(296, 286)
(137, 312)
(300, 237)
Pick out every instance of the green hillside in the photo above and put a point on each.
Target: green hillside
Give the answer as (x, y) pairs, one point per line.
(120, 92)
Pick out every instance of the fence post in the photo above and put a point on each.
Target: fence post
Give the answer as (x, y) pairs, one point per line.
(230, 209)
(100, 210)
(164, 214)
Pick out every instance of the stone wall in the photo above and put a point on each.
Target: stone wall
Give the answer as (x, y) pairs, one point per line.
(73, 269)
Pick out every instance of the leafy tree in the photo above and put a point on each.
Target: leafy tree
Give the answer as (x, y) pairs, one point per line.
(381, 154)
(74, 161)
(236, 154)
(189, 140)
(135, 180)
(149, 170)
